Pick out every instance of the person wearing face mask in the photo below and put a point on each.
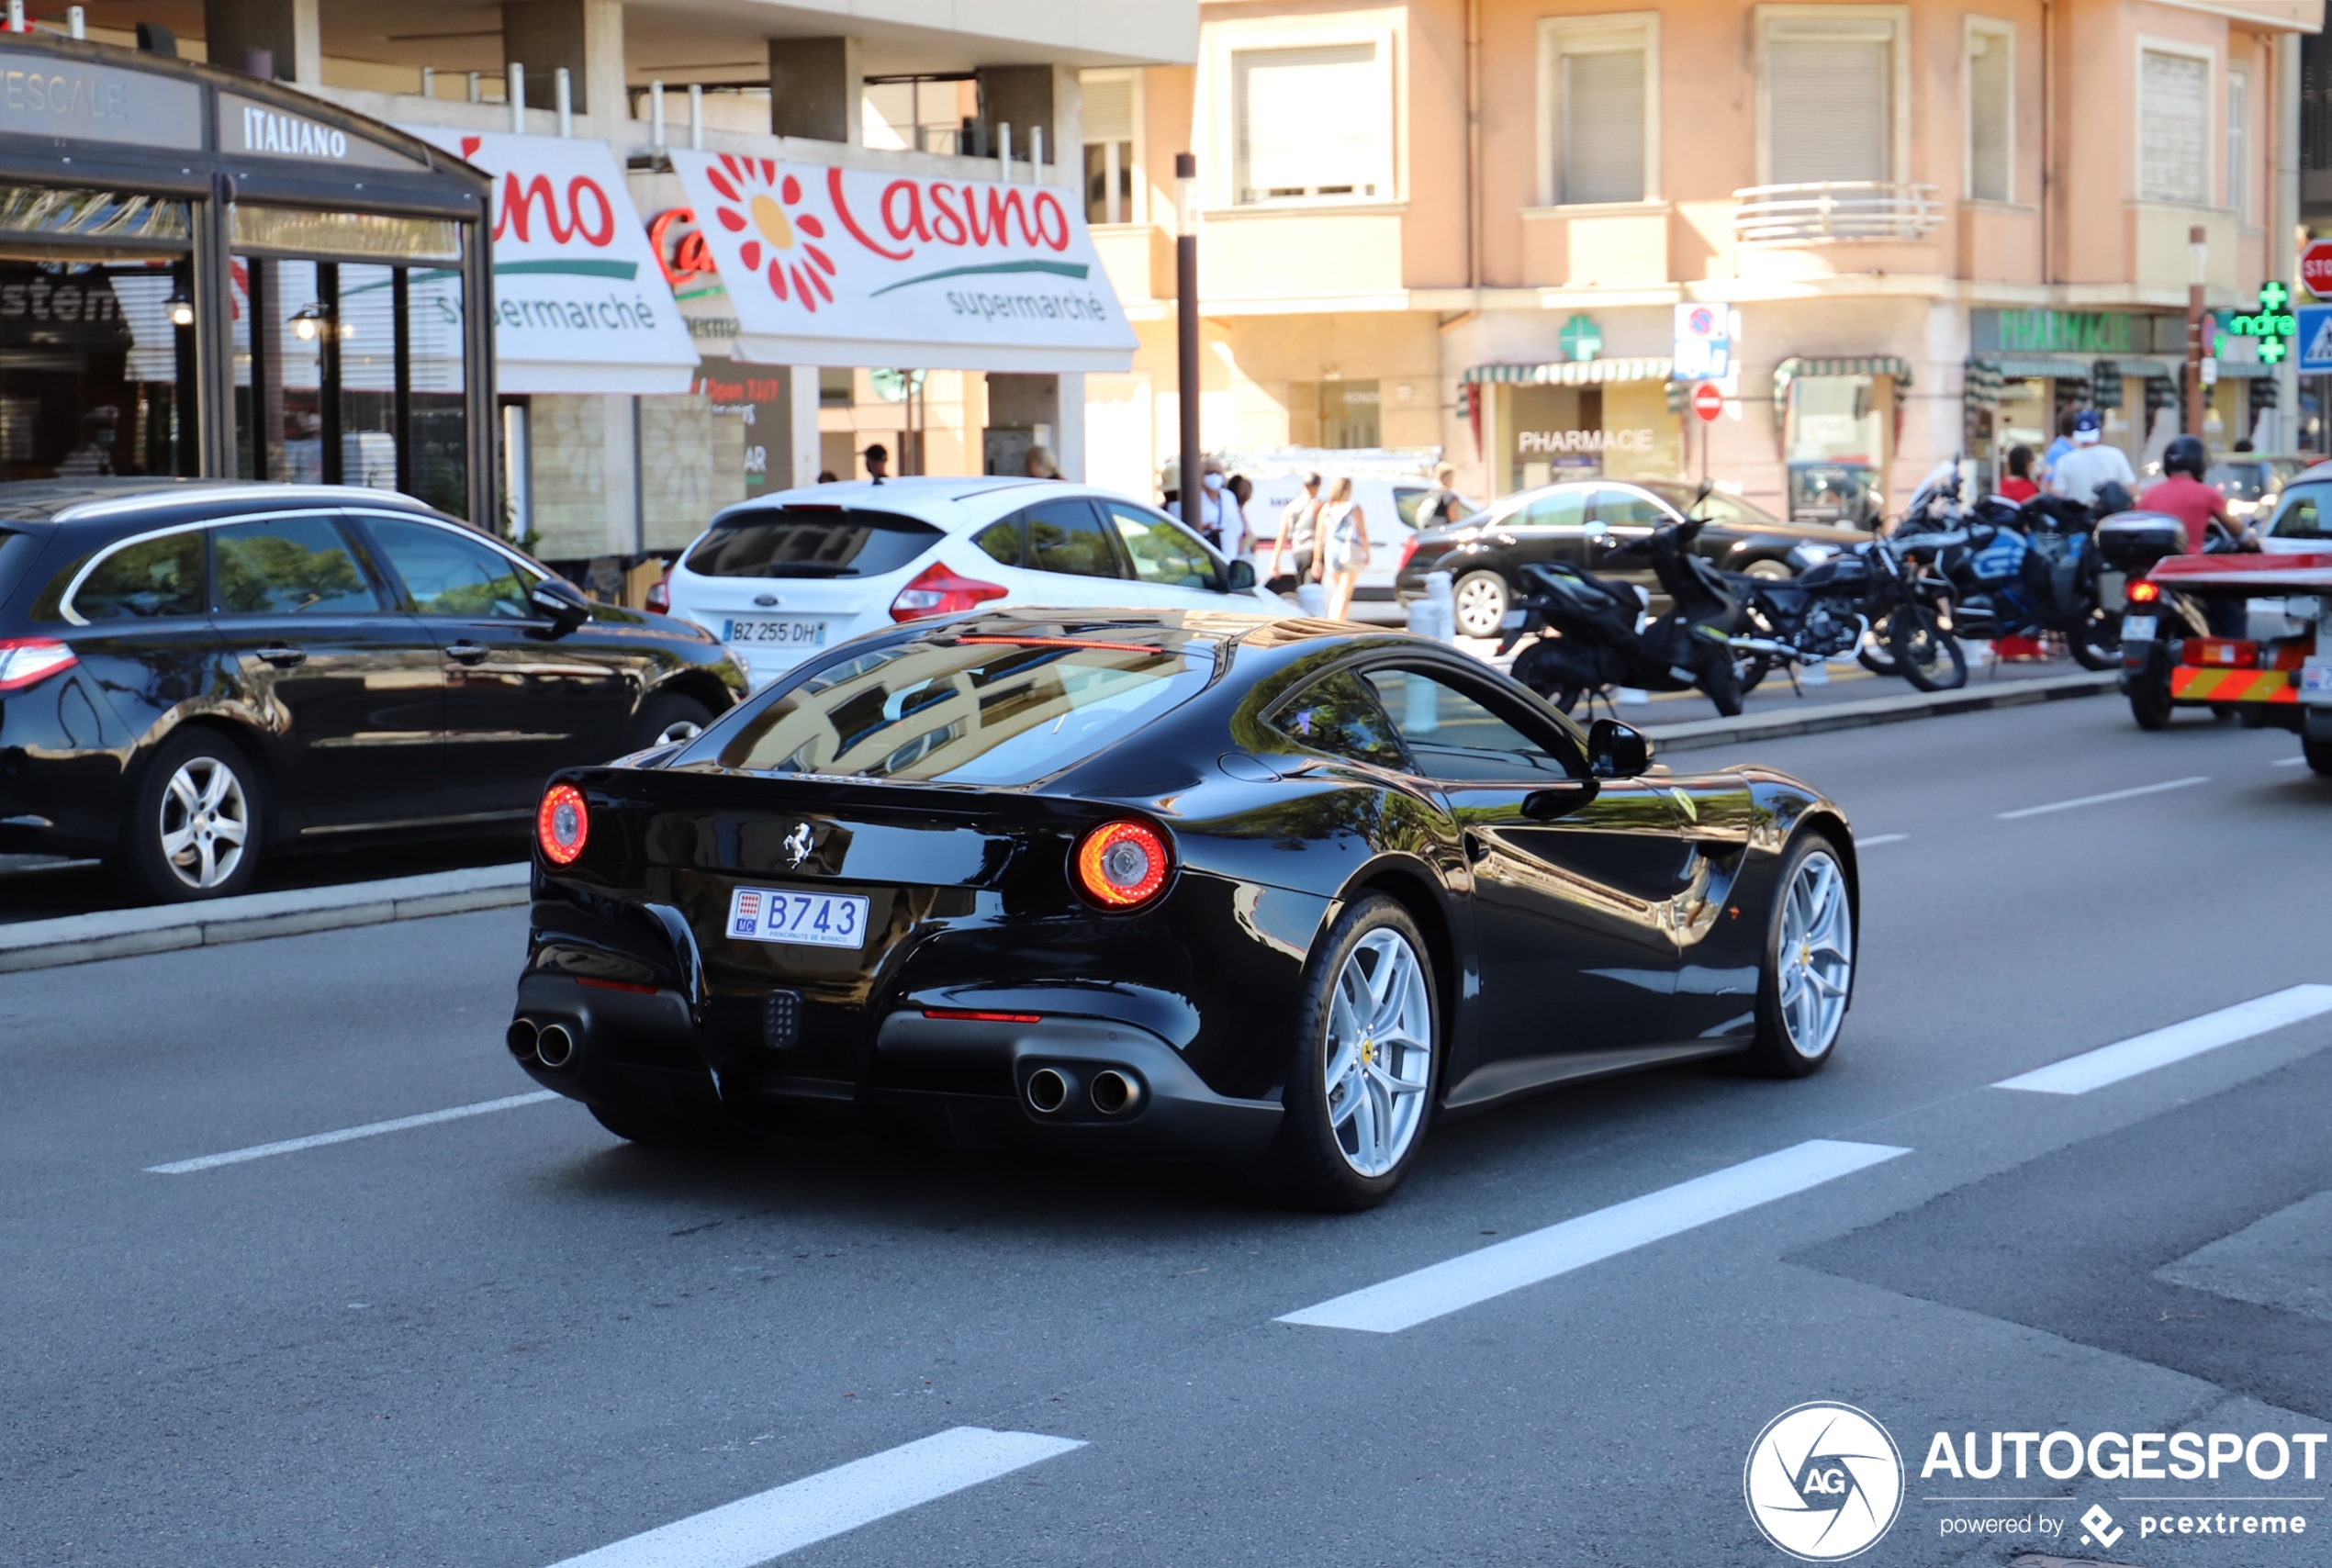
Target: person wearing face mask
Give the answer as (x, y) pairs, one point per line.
(95, 455)
(1217, 516)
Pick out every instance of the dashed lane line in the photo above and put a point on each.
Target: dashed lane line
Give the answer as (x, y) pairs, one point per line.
(370, 1129)
(1880, 838)
(2101, 800)
(1461, 1282)
(785, 1518)
(2159, 1047)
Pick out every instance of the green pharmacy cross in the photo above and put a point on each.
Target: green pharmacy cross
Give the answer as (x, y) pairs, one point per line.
(1582, 339)
(2271, 324)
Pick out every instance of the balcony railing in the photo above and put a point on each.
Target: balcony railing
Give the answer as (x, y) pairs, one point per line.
(1828, 210)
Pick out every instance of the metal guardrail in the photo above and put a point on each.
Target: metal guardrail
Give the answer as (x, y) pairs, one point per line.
(1829, 210)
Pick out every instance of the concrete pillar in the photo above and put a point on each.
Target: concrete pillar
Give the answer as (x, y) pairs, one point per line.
(286, 28)
(815, 89)
(621, 487)
(1019, 97)
(805, 425)
(587, 38)
(1070, 440)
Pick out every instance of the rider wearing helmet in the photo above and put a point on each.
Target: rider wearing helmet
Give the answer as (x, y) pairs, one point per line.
(2181, 493)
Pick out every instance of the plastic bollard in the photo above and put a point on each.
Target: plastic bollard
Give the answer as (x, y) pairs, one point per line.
(1437, 593)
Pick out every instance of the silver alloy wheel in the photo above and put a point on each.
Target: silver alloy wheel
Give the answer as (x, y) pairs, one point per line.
(1380, 1053)
(1817, 954)
(680, 730)
(1481, 605)
(205, 822)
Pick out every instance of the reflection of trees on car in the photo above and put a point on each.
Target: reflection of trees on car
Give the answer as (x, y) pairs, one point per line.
(262, 573)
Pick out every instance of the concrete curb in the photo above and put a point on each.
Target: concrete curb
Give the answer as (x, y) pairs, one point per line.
(121, 934)
(1977, 697)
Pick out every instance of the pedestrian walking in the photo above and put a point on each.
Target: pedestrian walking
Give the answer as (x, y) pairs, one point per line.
(1294, 559)
(1343, 533)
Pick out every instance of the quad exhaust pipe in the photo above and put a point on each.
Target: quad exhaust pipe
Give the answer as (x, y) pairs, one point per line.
(520, 1037)
(1114, 1094)
(1048, 1090)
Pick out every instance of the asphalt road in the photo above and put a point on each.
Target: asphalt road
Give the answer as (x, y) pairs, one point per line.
(507, 1340)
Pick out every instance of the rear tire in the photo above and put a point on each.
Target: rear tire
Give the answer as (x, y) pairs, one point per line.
(1875, 655)
(1929, 657)
(1807, 980)
(2317, 749)
(2096, 640)
(195, 822)
(2150, 702)
(666, 717)
(1478, 603)
(1361, 1081)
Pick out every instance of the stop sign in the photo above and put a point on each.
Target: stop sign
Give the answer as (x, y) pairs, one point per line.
(2315, 268)
(1710, 403)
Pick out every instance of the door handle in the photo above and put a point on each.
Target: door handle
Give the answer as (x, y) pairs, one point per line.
(467, 652)
(282, 656)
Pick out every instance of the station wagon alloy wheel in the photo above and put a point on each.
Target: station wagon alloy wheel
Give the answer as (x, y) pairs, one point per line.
(1817, 954)
(205, 823)
(1380, 1055)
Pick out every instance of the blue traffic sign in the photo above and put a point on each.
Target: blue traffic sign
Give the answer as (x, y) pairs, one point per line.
(2315, 338)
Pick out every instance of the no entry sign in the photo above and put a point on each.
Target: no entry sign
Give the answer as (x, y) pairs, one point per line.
(1710, 403)
(2315, 268)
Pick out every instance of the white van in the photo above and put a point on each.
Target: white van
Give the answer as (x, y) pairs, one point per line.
(1389, 500)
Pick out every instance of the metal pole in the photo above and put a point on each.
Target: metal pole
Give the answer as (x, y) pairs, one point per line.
(696, 117)
(563, 96)
(1003, 152)
(514, 89)
(656, 115)
(76, 22)
(2198, 250)
(1186, 328)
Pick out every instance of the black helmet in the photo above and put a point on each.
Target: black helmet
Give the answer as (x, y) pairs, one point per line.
(2185, 454)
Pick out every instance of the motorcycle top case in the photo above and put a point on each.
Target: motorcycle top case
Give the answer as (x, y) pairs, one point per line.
(2133, 541)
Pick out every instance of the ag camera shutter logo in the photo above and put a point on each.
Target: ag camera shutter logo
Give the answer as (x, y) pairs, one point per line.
(1824, 1482)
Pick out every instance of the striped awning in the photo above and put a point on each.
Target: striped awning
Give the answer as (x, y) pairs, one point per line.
(2053, 365)
(1797, 367)
(1572, 373)
(2153, 367)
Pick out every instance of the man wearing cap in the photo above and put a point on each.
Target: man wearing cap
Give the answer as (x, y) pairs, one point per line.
(2091, 464)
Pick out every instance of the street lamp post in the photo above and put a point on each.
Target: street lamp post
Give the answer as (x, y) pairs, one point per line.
(1186, 328)
(2198, 257)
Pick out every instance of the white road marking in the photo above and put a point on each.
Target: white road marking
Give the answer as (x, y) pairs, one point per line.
(2289, 762)
(2101, 799)
(2159, 1047)
(769, 1524)
(1478, 1276)
(370, 1129)
(1880, 838)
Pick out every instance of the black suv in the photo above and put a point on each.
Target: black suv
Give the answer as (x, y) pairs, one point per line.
(193, 673)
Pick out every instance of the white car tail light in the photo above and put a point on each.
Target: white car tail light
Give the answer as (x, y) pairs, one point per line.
(938, 591)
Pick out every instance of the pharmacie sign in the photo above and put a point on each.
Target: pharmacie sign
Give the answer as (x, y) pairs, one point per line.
(580, 304)
(834, 266)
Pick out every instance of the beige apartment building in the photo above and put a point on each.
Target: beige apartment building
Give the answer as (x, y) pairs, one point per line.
(1929, 229)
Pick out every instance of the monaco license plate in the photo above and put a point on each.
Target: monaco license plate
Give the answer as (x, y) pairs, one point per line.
(2315, 677)
(773, 631)
(2138, 628)
(809, 919)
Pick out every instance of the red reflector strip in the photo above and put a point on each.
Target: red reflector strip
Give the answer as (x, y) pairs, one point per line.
(1067, 643)
(970, 1015)
(614, 985)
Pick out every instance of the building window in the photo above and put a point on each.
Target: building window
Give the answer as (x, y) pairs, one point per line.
(1109, 147)
(1829, 90)
(2238, 143)
(1598, 88)
(1342, 415)
(2173, 126)
(1991, 113)
(1311, 123)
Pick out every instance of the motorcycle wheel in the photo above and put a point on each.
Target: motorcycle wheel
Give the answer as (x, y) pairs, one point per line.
(2150, 702)
(1565, 700)
(1875, 655)
(1722, 686)
(1930, 657)
(2096, 640)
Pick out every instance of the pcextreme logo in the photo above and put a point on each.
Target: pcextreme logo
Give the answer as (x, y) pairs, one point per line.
(1824, 1482)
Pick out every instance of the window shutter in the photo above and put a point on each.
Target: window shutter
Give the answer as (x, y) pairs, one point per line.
(1603, 109)
(1991, 101)
(1827, 110)
(2174, 129)
(1309, 121)
(1109, 110)
(2238, 143)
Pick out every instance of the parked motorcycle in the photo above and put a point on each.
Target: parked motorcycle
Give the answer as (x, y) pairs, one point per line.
(1590, 634)
(1848, 602)
(2010, 570)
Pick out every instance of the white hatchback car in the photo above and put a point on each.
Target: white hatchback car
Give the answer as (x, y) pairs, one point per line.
(783, 575)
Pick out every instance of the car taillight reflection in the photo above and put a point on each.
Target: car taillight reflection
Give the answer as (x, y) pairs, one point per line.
(562, 824)
(31, 658)
(1408, 554)
(1121, 864)
(660, 596)
(938, 591)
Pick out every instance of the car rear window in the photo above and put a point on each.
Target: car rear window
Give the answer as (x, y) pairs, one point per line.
(2305, 513)
(811, 541)
(994, 710)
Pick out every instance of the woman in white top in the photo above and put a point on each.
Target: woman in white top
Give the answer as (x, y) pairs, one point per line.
(1343, 533)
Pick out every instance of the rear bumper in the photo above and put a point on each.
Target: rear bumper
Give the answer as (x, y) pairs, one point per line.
(960, 1080)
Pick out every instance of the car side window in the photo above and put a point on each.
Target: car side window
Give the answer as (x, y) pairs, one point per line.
(1065, 536)
(2300, 519)
(1338, 714)
(1162, 553)
(159, 578)
(447, 575)
(1001, 542)
(1556, 509)
(1629, 509)
(1454, 736)
(289, 565)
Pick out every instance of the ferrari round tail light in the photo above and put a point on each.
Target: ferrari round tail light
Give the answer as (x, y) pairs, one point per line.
(1121, 864)
(562, 824)
(28, 659)
(938, 591)
(2143, 593)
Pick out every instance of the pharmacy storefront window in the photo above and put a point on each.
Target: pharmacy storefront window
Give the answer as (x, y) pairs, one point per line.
(97, 365)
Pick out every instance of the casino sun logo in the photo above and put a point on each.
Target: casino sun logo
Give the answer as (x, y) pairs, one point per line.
(766, 213)
(1824, 1482)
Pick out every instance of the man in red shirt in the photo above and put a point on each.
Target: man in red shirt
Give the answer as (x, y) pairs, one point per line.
(2181, 493)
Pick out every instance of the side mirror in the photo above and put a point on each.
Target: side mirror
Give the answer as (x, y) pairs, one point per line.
(1239, 577)
(561, 603)
(1615, 751)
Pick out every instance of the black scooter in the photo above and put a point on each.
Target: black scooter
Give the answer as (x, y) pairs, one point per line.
(1587, 630)
(1840, 606)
